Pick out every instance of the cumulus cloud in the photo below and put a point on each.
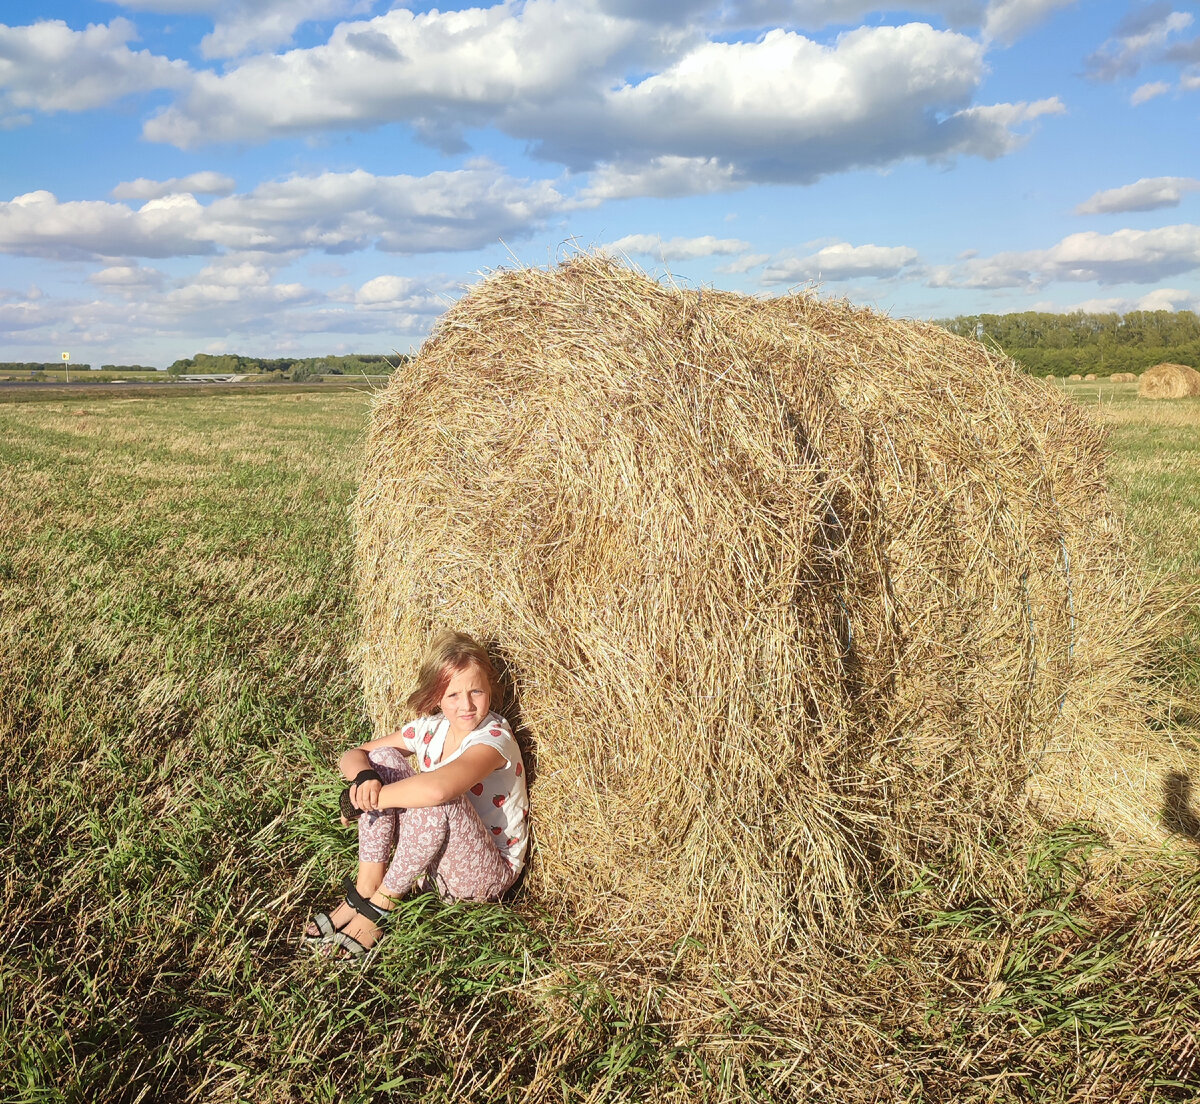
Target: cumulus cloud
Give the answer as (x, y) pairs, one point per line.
(788, 109)
(839, 261)
(1122, 257)
(1141, 37)
(711, 115)
(677, 249)
(200, 183)
(331, 212)
(37, 224)
(1168, 299)
(437, 71)
(47, 67)
(662, 177)
(401, 293)
(998, 19)
(1007, 20)
(244, 25)
(127, 277)
(1147, 194)
(229, 303)
(1146, 92)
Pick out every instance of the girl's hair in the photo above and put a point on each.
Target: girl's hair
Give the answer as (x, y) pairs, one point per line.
(449, 652)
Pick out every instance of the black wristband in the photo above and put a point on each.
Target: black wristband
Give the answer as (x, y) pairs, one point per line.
(367, 775)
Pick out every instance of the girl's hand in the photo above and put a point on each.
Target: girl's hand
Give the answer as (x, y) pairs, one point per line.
(365, 795)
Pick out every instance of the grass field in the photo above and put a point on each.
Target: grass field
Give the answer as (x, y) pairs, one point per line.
(175, 620)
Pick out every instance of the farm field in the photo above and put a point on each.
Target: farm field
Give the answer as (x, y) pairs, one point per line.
(176, 618)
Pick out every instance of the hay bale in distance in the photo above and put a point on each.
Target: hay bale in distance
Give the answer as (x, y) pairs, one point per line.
(794, 597)
(1075, 376)
(1090, 376)
(1123, 377)
(1169, 381)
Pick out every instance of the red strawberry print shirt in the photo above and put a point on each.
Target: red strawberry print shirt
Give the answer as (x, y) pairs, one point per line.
(501, 799)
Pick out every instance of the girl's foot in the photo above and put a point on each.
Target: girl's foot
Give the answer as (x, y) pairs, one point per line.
(335, 921)
(358, 936)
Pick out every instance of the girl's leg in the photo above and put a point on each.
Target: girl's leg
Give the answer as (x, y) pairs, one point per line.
(451, 842)
(376, 832)
(471, 867)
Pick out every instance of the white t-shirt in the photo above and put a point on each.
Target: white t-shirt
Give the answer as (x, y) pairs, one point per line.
(501, 799)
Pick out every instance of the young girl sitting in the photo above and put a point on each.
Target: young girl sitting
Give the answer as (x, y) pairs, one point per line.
(461, 819)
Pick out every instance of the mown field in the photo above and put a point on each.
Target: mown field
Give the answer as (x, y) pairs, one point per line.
(175, 627)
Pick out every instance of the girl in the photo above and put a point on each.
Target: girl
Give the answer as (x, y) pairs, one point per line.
(461, 819)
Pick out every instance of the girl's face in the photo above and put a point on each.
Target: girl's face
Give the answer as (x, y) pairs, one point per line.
(467, 699)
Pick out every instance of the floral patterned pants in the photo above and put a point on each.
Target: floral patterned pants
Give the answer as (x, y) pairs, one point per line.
(448, 842)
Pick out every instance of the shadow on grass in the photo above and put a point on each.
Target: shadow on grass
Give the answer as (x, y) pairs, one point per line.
(1178, 814)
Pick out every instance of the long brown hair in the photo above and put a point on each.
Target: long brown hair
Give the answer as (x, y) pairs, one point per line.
(448, 653)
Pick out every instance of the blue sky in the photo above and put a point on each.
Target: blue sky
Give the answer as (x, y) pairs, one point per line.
(303, 177)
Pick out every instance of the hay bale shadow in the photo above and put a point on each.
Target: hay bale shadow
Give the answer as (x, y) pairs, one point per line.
(1178, 814)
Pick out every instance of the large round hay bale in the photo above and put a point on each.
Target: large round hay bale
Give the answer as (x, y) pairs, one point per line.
(1122, 377)
(794, 598)
(1090, 376)
(1169, 381)
(1075, 377)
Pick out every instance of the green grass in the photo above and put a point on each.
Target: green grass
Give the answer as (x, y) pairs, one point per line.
(175, 622)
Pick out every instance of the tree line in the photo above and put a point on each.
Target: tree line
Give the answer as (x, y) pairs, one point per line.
(38, 366)
(1085, 342)
(371, 364)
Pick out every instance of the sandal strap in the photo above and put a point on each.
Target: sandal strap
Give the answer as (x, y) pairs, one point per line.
(349, 944)
(372, 912)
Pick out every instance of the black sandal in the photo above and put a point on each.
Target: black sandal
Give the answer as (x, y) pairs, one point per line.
(326, 928)
(378, 916)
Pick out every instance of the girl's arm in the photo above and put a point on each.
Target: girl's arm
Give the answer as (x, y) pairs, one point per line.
(434, 787)
(356, 760)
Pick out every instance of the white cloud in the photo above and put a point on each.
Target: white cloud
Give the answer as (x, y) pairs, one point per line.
(243, 25)
(127, 277)
(237, 282)
(401, 293)
(333, 212)
(1142, 37)
(1124, 256)
(1147, 194)
(199, 183)
(1006, 20)
(1005, 270)
(48, 67)
(37, 224)
(711, 115)
(744, 264)
(786, 108)
(677, 249)
(662, 177)
(439, 72)
(229, 305)
(1146, 92)
(839, 261)
(1168, 299)
(21, 314)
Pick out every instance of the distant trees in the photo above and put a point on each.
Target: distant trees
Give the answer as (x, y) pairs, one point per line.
(36, 366)
(372, 364)
(1084, 342)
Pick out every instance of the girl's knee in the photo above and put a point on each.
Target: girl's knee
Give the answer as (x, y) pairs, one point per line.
(392, 759)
